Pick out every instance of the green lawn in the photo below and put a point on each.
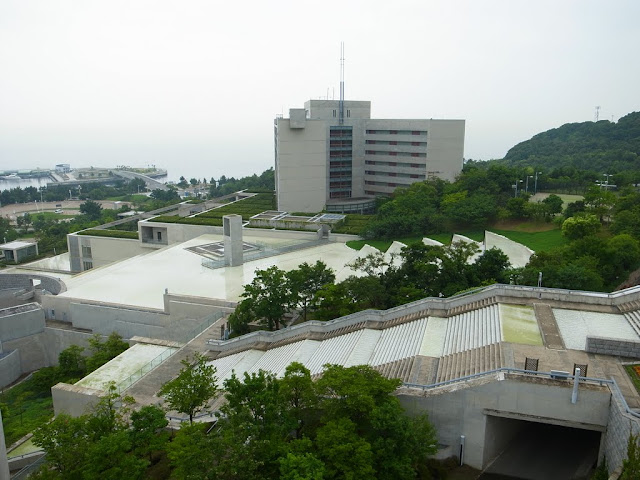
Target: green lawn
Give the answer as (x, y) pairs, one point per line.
(50, 215)
(27, 410)
(536, 241)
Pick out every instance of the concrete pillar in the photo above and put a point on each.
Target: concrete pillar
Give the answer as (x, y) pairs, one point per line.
(232, 232)
(4, 462)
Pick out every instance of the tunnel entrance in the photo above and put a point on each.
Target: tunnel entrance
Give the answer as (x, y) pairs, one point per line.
(526, 450)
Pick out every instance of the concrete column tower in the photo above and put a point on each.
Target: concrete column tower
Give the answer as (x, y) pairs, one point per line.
(232, 226)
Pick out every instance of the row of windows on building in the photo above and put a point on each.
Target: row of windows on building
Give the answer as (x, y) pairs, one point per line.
(397, 154)
(342, 194)
(385, 184)
(396, 132)
(393, 164)
(393, 142)
(396, 174)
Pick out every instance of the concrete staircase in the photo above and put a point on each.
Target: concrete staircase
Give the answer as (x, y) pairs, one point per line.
(472, 329)
(469, 362)
(633, 317)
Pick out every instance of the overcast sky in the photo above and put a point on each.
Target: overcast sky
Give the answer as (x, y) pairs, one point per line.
(194, 85)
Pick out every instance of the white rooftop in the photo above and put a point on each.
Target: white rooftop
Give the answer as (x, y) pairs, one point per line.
(124, 365)
(141, 280)
(15, 245)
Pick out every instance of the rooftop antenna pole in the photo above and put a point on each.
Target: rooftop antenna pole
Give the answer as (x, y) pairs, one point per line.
(341, 83)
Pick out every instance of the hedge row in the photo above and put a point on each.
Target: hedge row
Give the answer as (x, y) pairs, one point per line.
(110, 233)
(353, 224)
(247, 207)
(216, 222)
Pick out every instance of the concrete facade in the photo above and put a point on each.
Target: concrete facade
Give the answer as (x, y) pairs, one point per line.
(10, 369)
(466, 410)
(87, 252)
(612, 346)
(4, 463)
(320, 161)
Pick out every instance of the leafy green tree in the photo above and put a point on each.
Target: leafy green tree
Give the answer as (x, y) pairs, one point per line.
(306, 281)
(109, 458)
(346, 455)
(553, 204)
(192, 389)
(241, 317)
(298, 397)
(303, 466)
(72, 363)
(147, 430)
(102, 352)
(136, 185)
(269, 296)
(65, 439)
(193, 182)
(92, 209)
(191, 454)
(579, 227)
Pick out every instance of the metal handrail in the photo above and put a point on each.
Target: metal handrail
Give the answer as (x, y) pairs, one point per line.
(147, 367)
(611, 383)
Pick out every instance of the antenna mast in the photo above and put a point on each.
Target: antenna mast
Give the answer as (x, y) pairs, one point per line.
(341, 83)
(597, 115)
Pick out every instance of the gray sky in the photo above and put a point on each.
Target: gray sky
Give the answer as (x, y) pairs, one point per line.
(194, 85)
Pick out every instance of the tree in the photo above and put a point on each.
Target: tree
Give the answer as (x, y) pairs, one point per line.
(136, 185)
(306, 281)
(579, 227)
(269, 296)
(65, 439)
(93, 210)
(193, 182)
(72, 363)
(102, 352)
(553, 204)
(346, 455)
(147, 430)
(192, 389)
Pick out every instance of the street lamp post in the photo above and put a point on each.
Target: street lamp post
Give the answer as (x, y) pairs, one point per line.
(526, 188)
(535, 189)
(516, 187)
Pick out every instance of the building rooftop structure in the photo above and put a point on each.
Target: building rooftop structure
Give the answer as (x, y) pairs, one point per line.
(331, 154)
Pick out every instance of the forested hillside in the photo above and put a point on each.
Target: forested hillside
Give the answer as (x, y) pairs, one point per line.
(603, 147)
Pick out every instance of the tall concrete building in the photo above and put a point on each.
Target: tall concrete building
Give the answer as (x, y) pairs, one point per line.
(331, 154)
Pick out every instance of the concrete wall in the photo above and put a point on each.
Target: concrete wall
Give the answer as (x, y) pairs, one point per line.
(518, 254)
(301, 166)
(445, 149)
(42, 349)
(180, 316)
(74, 401)
(26, 280)
(611, 346)
(10, 369)
(4, 464)
(463, 410)
(18, 322)
(620, 425)
(104, 250)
